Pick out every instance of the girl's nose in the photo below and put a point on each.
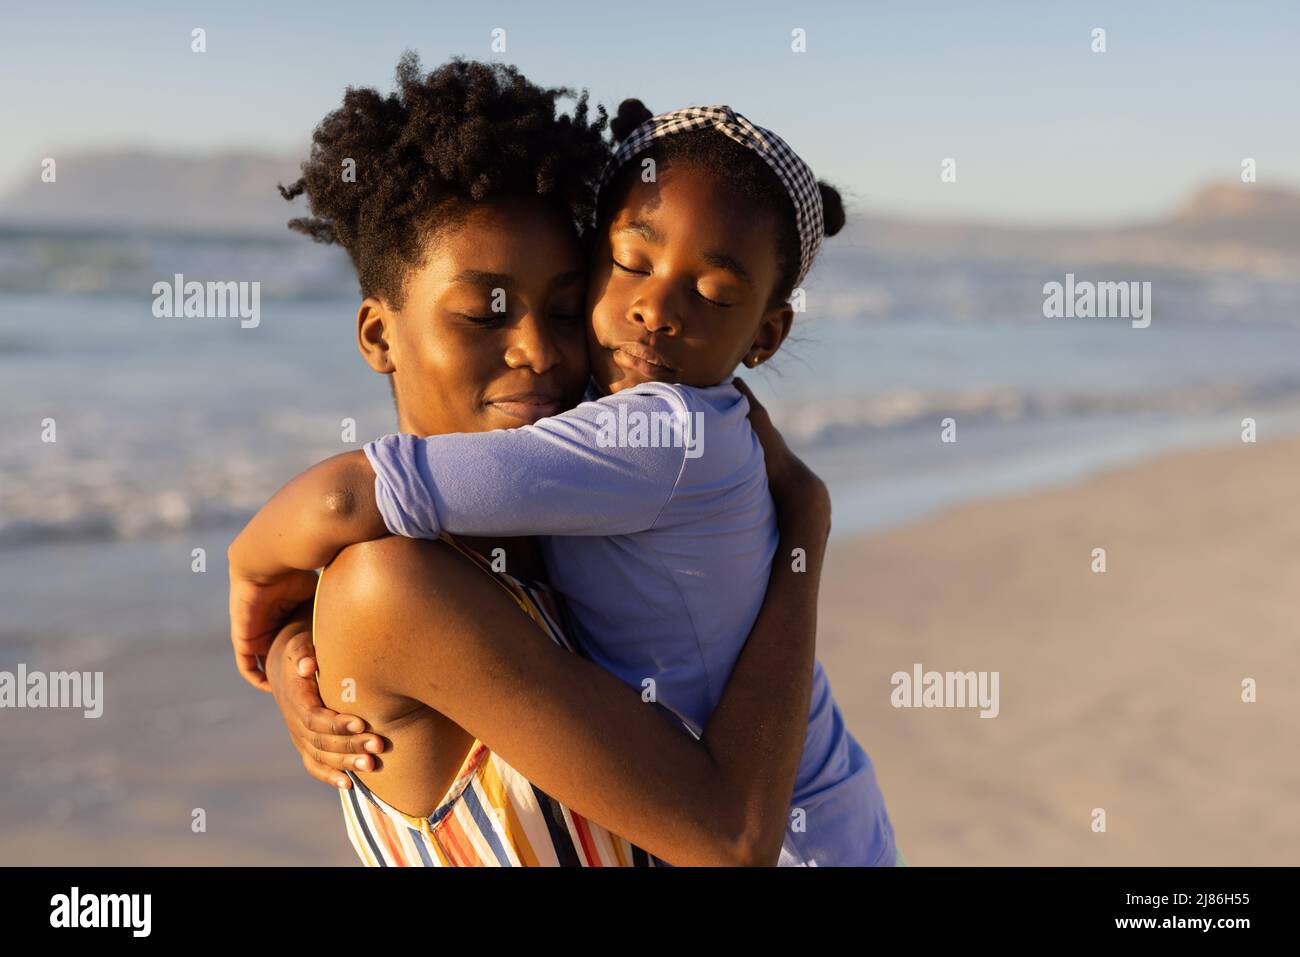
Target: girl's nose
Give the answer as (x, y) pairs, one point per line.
(654, 310)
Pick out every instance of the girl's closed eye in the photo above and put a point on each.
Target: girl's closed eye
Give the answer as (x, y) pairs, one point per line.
(629, 269)
(713, 302)
(710, 299)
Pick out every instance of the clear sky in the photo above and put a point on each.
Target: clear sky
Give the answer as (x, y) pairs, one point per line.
(1043, 129)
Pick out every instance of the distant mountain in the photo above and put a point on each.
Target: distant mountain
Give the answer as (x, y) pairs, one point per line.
(1222, 228)
(1247, 214)
(1234, 227)
(1218, 203)
(226, 193)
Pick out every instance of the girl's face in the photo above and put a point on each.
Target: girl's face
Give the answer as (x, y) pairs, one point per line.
(682, 278)
(490, 335)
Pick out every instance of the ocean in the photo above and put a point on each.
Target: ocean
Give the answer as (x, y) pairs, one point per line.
(170, 432)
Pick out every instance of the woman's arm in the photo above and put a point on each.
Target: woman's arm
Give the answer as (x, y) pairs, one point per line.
(460, 646)
(574, 729)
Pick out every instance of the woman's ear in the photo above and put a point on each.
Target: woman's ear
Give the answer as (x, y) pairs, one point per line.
(772, 330)
(374, 333)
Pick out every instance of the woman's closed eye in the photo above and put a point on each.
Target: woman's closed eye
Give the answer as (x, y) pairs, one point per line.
(565, 313)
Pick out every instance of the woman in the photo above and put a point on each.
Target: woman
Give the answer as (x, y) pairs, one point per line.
(469, 187)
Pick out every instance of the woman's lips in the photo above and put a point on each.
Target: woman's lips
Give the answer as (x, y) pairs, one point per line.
(633, 355)
(529, 406)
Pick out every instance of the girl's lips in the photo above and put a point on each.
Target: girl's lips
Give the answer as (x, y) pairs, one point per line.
(649, 363)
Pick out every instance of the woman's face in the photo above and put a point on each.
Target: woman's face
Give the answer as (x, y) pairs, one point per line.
(491, 334)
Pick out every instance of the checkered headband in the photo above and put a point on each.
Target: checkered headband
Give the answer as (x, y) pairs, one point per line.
(792, 171)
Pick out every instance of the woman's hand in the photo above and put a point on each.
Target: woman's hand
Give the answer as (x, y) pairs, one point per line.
(328, 742)
(794, 486)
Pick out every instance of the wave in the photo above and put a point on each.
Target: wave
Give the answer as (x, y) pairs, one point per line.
(127, 492)
(135, 522)
(820, 422)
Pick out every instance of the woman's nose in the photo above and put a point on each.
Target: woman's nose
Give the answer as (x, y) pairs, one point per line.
(532, 344)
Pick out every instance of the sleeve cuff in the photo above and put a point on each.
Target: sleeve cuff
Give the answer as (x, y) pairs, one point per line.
(401, 493)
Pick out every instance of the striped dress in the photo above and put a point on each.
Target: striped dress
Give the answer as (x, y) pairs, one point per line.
(491, 816)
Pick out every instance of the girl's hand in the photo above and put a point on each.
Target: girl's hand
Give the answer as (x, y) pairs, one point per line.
(793, 484)
(273, 560)
(258, 609)
(327, 741)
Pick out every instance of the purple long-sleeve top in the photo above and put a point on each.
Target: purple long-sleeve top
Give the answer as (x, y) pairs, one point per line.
(658, 529)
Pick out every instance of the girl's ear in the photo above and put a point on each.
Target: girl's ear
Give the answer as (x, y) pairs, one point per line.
(772, 330)
(374, 331)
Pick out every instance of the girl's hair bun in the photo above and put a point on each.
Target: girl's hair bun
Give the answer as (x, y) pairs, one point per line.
(631, 114)
(832, 209)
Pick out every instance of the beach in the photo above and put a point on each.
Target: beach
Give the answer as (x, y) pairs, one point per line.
(180, 731)
(1119, 690)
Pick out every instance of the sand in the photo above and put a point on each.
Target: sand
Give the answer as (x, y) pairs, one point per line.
(1119, 691)
(180, 730)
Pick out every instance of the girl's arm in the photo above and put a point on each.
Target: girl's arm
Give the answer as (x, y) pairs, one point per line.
(570, 474)
(602, 468)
